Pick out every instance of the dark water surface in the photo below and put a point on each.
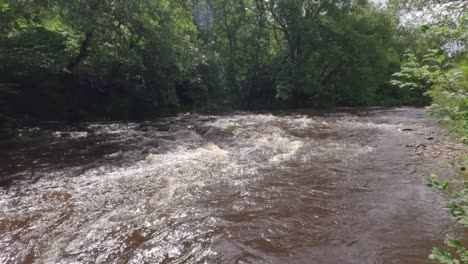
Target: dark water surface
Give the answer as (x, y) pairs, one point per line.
(298, 187)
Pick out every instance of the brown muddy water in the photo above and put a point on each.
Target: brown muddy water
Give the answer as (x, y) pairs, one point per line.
(298, 187)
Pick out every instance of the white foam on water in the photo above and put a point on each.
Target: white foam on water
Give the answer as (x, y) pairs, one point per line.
(370, 125)
(146, 210)
(71, 135)
(110, 129)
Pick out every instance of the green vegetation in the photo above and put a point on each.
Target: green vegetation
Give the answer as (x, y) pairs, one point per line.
(99, 59)
(458, 210)
(122, 59)
(438, 67)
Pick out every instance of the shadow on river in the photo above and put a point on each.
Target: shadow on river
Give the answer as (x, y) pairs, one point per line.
(298, 187)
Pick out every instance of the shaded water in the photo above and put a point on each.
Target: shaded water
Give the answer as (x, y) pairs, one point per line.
(300, 187)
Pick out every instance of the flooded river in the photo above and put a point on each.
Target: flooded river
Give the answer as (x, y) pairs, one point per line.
(298, 187)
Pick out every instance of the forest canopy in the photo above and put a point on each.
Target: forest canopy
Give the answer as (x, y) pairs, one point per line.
(121, 59)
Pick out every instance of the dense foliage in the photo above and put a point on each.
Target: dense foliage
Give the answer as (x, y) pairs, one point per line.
(81, 59)
(437, 64)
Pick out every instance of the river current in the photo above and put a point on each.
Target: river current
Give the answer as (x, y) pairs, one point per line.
(298, 187)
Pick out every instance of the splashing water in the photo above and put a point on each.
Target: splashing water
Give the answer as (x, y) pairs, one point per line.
(330, 188)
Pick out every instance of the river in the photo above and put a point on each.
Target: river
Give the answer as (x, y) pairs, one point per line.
(297, 187)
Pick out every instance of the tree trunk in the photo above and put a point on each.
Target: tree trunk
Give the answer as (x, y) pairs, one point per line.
(83, 52)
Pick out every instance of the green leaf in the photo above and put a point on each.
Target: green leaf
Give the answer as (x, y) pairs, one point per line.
(441, 58)
(443, 257)
(432, 52)
(453, 243)
(464, 221)
(428, 182)
(424, 28)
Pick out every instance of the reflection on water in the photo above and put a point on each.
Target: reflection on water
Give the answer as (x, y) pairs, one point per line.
(241, 188)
